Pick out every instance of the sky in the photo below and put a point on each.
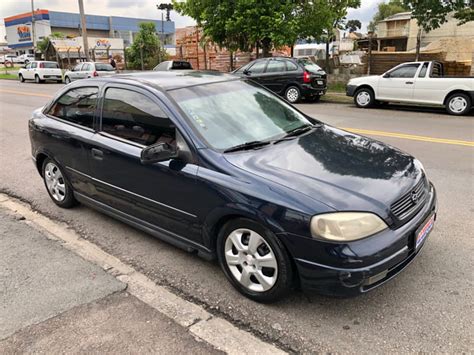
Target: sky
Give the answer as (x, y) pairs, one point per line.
(136, 8)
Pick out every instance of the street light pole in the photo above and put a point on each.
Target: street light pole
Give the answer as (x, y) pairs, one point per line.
(33, 29)
(84, 29)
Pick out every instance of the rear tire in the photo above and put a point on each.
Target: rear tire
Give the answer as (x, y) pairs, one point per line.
(254, 260)
(364, 98)
(58, 186)
(292, 94)
(458, 104)
(22, 79)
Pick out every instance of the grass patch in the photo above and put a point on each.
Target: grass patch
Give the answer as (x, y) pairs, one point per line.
(336, 98)
(337, 87)
(8, 76)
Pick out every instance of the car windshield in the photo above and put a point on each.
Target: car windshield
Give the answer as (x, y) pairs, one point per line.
(50, 65)
(309, 65)
(103, 67)
(229, 114)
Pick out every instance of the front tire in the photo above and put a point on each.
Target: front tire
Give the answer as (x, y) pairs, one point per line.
(38, 80)
(254, 260)
(22, 79)
(458, 104)
(292, 94)
(364, 98)
(57, 184)
(67, 80)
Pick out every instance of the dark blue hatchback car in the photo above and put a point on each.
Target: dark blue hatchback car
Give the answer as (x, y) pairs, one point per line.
(222, 167)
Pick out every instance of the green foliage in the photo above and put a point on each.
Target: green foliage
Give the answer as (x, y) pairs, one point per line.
(43, 44)
(147, 45)
(431, 14)
(385, 10)
(240, 24)
(353, 25)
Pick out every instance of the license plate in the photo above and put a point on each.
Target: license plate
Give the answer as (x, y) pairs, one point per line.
(320, 82)
(423, 231)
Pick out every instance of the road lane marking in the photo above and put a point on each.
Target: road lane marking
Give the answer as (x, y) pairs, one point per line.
(410, 137)
(23, 93)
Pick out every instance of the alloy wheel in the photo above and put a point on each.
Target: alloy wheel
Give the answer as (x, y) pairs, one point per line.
(292, 94)
(55, 182)
(251, 260)
(363, 98)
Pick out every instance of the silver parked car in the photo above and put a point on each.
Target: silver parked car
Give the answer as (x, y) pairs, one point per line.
(85, 70)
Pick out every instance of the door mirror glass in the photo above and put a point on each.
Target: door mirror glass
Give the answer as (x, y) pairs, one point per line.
(158, 152)
(247, 72)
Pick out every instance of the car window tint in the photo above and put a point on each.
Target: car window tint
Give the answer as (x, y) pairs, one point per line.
(423, 70)
(181, 65)
(133, 116)
(76, 106)
(104, 67)
(258, 67)
(50, 65)
(290, 66)
(275, 66)
(407, 71)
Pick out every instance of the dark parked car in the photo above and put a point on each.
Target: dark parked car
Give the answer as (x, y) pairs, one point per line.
(292, 78)
(173, 65)
(222, 167)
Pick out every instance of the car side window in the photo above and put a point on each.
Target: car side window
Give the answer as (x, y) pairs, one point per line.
(275, 66)
(33, 65)
(407, 71)
(133, 116)
(28, 66)
(290, 66)
(77, 106)
(162, 66)
(77, 67)
(423, 70)
(87, 67)
(258, 67)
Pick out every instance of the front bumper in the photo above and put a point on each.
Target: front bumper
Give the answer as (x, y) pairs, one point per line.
(388, 254)
(350, 90)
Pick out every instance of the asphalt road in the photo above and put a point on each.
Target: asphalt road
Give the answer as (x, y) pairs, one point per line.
(429, 307)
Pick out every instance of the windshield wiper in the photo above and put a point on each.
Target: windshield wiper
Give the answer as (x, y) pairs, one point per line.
(295, 132)
(247, 145)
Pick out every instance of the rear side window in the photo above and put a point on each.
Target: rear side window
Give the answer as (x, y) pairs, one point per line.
(133, 116)
(181, 65)
(275, 66)
(34, 65)
(87, 67)
(76, 106)
(423, 70)
(290, 66)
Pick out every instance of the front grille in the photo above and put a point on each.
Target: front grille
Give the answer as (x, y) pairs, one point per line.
(411, 202)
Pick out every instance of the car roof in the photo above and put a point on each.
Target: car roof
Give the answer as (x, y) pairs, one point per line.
(176, 79)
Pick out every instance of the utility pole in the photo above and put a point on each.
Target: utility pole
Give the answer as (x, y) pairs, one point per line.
(369, 57)
(33, 29)
(84, 29)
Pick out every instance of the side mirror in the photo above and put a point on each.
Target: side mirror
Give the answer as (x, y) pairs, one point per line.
(247, 72)
(158, 152)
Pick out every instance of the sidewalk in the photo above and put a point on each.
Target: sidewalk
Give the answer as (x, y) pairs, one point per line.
(53, 301)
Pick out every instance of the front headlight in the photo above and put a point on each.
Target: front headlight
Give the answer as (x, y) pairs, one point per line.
(346, 226)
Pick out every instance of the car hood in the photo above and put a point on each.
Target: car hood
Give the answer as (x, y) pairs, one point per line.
(343, 170)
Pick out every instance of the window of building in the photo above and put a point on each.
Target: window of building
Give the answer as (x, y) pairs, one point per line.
(77, 106)
(133, 116)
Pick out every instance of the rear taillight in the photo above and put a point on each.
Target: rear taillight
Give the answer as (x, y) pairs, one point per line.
(307, 77)
(41, 65)
(96, 74)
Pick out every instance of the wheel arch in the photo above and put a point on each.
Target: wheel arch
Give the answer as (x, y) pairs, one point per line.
(40, 158)
(364, 86)
(457, 91)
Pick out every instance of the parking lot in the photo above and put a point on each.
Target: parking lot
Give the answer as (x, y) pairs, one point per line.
(427, 308)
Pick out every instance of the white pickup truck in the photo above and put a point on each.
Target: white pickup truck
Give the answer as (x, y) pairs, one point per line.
(415, 83)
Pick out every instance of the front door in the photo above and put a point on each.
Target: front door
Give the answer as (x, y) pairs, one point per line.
(161, 194)
(398, 85)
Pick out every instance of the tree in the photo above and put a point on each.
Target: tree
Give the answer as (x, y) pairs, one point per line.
(353, 25)
(431, 14)
(44, 43)
(146, 51)
(385, 10)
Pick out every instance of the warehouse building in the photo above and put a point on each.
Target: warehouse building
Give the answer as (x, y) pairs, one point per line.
(19, 28)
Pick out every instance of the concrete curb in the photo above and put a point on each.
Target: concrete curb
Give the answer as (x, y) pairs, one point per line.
(218, 332)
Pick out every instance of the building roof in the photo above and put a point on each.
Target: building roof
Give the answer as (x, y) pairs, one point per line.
(176, 79)
(399, 16)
